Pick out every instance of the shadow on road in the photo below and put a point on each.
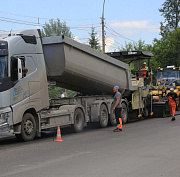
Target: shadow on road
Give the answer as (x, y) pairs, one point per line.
(11, 141)
(6, 142)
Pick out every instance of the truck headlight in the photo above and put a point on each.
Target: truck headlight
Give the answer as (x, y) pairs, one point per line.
(4, 117)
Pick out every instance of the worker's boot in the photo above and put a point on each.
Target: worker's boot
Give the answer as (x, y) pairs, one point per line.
(117, 130)
(173, 118)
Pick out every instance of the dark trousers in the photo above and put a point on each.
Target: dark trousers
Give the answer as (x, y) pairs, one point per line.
(118, 114)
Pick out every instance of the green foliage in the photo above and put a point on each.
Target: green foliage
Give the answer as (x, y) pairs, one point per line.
(93, 41)
(70, 93)
(133, 46)
(140, 45)
(55, 92)
(171, 12)
(56, 28)
(167, 49)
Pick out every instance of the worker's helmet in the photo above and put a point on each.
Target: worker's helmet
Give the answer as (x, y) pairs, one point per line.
(116, 87)
(144, 63)
(171, 89)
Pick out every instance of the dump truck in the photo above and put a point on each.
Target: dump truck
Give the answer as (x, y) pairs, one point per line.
(29, 62)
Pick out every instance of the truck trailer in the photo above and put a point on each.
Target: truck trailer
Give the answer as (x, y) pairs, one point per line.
(29, 62)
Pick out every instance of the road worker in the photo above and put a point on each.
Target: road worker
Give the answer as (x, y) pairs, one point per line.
(144, 70)
(172, 96)
(117, 107)
(63, 95)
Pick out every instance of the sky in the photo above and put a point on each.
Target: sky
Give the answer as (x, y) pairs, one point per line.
(125, 20)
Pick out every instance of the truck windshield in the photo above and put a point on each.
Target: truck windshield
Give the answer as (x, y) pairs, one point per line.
(165, 77)
(3, 66)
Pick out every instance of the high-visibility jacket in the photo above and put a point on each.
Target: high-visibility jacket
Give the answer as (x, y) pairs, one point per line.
(143, 72)
(172, 105)
(172, 101)
(172, 97)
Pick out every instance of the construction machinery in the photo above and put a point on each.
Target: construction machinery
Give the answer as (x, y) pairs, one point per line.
(167, 78)
(140, 100)
(29, 62)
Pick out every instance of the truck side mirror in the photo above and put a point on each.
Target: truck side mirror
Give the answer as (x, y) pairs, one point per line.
(16, 69)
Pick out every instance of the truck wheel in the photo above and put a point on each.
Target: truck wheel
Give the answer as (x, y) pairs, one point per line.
(124, 113)
(112, 118)
(28, 128)
(103, 118)
(78, 120)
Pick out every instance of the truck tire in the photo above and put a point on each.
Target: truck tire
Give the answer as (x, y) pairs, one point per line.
(28, 128)
(78, 120)
(124, 113)
(112, 118)
(103, 118)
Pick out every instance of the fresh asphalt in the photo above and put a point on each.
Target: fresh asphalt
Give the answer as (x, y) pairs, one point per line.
(145, 148)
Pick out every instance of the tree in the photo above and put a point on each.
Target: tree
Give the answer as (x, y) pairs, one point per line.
(55, 92)
(56, 28)
(140, 45)
(167, 49)
(93, 41)
(171, 12)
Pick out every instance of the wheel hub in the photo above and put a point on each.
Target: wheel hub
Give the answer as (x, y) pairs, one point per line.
(104, 115)
(28, 127)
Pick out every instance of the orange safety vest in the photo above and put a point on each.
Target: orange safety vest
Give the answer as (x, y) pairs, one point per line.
(172, 105)
(143, 73)
(171, 101)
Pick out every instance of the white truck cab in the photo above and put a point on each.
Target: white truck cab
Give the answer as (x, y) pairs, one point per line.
(23, 81)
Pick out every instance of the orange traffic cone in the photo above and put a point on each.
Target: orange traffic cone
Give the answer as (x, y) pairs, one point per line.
(58, 137)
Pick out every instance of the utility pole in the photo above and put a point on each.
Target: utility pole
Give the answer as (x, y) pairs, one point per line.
(103, 36)
(177, 8)
(37, 26)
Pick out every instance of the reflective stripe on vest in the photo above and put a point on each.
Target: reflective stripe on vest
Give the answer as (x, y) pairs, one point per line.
(143, 73)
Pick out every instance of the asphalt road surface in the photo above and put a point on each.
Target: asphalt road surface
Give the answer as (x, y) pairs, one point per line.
(146, 148)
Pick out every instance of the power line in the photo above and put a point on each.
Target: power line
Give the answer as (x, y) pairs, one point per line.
(18, 14)
(119, 34)
(112, 44)
(115, 40)
(46, 18)
(18, 20)
(10, 20)
(79, 19)
(82, 27)
(115, 35)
